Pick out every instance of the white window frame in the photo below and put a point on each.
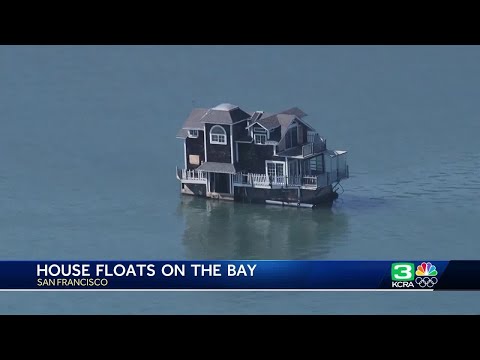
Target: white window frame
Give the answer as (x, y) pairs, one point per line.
(260, 133)
(275, 167)
(217, 138)
(193, 133)
(259, 137)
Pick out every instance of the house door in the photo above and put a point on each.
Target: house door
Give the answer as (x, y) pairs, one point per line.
(220, 183)
(276, 171)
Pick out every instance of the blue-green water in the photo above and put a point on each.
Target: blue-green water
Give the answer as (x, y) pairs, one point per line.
(88, 154)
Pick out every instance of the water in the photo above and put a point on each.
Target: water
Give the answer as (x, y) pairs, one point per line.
(88, 154)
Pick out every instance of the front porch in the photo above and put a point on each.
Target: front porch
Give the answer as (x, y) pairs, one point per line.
(276, 182)
(191, 176)
(312, 173)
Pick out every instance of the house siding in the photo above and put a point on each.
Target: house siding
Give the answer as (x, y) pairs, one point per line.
(252, 157)
(216, 152)
(194, 146)
(324, 195)
(305, 132)
(281, 145)
(275, 134)
(238, 131)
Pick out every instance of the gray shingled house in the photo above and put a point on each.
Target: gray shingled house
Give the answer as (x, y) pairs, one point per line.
(275, 158)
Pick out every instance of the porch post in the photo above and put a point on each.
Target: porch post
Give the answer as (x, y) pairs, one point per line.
(185, 152)
(287, 174)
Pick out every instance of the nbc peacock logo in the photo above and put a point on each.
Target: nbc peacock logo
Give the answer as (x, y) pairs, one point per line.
(426, 275)
(426, 269)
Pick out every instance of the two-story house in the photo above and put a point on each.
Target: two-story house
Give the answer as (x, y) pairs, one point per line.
(275, 158)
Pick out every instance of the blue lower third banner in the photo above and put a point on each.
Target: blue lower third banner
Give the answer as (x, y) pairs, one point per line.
(267, 275)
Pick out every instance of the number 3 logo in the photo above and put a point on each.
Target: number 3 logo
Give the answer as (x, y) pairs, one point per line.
(402, 271)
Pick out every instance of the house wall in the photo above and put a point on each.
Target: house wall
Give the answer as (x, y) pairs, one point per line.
(216, 152)
(194, 146)
(194, 189)
(275, 134)
(281, 145)
(320, 165)
(257, 195)
(252, 157)
(334, 163)
(302, 134)
(342, 162)
(238, 131)
(301, 137)
(330, 164)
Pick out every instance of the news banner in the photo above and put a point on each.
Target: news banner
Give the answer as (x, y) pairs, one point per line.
(239, 275)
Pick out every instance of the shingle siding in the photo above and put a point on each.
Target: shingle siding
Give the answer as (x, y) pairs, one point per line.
(216, 152)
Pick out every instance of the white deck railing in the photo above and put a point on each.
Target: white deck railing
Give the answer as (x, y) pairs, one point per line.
(191, 175)
(309, 181)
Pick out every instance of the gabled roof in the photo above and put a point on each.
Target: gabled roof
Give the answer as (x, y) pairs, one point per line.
(193, 120)
(225, 107)
(220, 114)
(294, 111)
(224, 114)
(333, 153)
(271, 121)
(182, 134)
(228, 114)
(283, 120)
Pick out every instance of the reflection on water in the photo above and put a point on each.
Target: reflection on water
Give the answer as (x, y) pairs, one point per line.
(230, 230)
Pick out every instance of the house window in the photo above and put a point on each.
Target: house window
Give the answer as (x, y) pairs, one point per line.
(260, 139)
(314, 166)
(260, 136)
(193, 133)
(218, 135)
(275, 170)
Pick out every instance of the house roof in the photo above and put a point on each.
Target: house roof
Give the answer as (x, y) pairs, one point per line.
(334, 153)
(193, 120)
(224, 114)
(228, 114)
(295, 111)
(220, 114)
(225, 107)
(217, 167)
(182, 134)
(283, 119)
(269, 122)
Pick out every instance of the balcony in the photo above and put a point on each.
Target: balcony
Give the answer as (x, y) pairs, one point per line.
(316, 146)
(305, 182)
(191, 176)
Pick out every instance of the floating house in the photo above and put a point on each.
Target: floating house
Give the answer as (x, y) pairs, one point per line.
(275, 158)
